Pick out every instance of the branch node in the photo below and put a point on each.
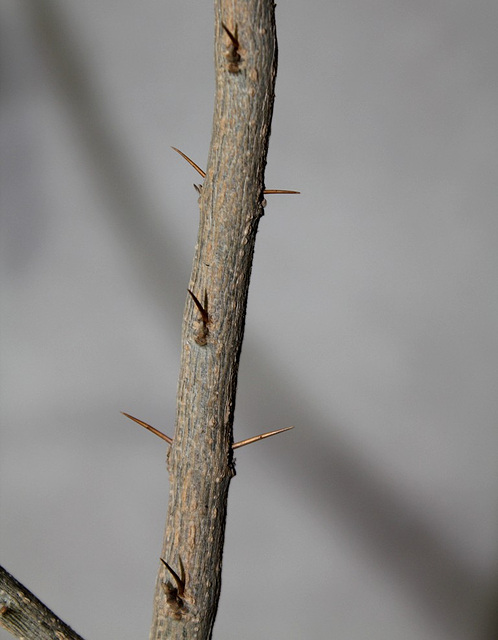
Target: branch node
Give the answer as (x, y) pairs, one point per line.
(174, 595)
(202, 173)
(236, 445)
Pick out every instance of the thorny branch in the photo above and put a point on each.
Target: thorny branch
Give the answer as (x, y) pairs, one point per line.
(23, 615)
(200, 459)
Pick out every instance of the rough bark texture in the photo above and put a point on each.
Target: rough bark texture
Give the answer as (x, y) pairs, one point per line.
(200, 459)
(26, 617)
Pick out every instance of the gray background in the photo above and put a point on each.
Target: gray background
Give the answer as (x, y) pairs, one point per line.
(372, 320)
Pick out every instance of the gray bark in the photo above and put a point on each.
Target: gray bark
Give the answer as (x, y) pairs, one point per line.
(23, 615)
(200, 459)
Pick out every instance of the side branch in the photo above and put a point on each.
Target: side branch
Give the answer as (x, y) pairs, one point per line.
(24, 616)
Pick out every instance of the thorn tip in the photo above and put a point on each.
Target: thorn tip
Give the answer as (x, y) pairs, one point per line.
(155, 431)
(191, 162)
(262, 436)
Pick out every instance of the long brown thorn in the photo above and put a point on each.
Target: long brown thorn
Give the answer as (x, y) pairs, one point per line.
(158, 433)
(272, 191)
(261, 436)
(236, 445)
(203, 174)
(191, 162)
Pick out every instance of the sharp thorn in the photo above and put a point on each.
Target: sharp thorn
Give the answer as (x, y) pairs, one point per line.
(147, 426)
(202, 310)
(262, 436)
(191, 162)
(272, 191)
(180, 583)
(232, 37)
(203, 174)
(182, 573)
(236, 445)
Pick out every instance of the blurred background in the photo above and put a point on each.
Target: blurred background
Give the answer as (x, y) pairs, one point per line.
(372, 323)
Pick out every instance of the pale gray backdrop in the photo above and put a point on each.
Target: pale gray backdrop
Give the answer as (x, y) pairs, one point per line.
(372, 320)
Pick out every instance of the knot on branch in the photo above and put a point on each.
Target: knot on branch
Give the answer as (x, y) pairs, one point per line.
(175, 594)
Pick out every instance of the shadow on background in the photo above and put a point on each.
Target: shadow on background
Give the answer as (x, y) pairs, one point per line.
(340, 482)
(147, 242)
